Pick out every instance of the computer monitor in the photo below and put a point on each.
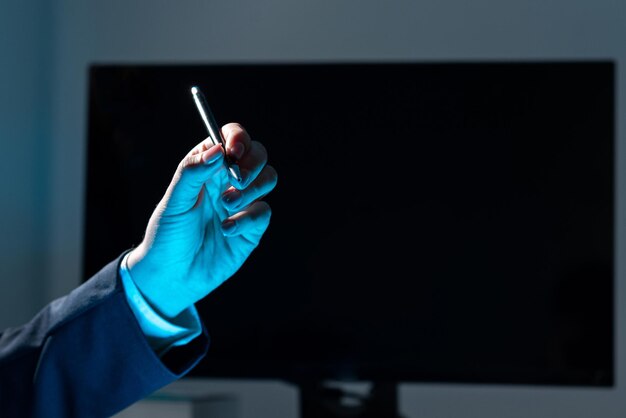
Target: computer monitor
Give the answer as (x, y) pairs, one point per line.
(444, 222)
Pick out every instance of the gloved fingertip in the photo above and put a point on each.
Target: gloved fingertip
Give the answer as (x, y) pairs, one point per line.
(236, 151)
(212, 155)
(228, 227)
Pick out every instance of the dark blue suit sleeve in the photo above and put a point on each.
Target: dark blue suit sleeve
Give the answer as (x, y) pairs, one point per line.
(84, 355)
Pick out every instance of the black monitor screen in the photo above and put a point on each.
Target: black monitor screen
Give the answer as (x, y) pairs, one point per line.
(432, 221)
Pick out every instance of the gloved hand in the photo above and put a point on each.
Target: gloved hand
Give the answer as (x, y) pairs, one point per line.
(204, 228)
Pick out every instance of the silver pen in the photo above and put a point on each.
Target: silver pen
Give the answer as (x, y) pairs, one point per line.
(214, 130)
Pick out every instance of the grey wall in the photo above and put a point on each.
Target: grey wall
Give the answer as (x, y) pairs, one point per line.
(25, 48)
(141, 31)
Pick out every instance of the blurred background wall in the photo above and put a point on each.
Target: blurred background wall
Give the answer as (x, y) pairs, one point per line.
(25, 135)
(46, 47)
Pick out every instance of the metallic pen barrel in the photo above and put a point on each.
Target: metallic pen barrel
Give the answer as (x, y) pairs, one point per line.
(214, 130)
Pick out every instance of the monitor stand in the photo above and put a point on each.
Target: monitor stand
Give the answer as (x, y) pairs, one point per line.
(318, 400)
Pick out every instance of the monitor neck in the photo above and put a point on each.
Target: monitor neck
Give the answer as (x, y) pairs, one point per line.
(318, 400)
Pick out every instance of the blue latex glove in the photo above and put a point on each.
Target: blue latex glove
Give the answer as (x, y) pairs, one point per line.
(204, 227)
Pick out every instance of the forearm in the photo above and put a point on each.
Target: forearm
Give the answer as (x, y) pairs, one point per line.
(85, 355)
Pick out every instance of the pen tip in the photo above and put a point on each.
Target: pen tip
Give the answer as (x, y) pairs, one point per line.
(234, 171)
(194, 90)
